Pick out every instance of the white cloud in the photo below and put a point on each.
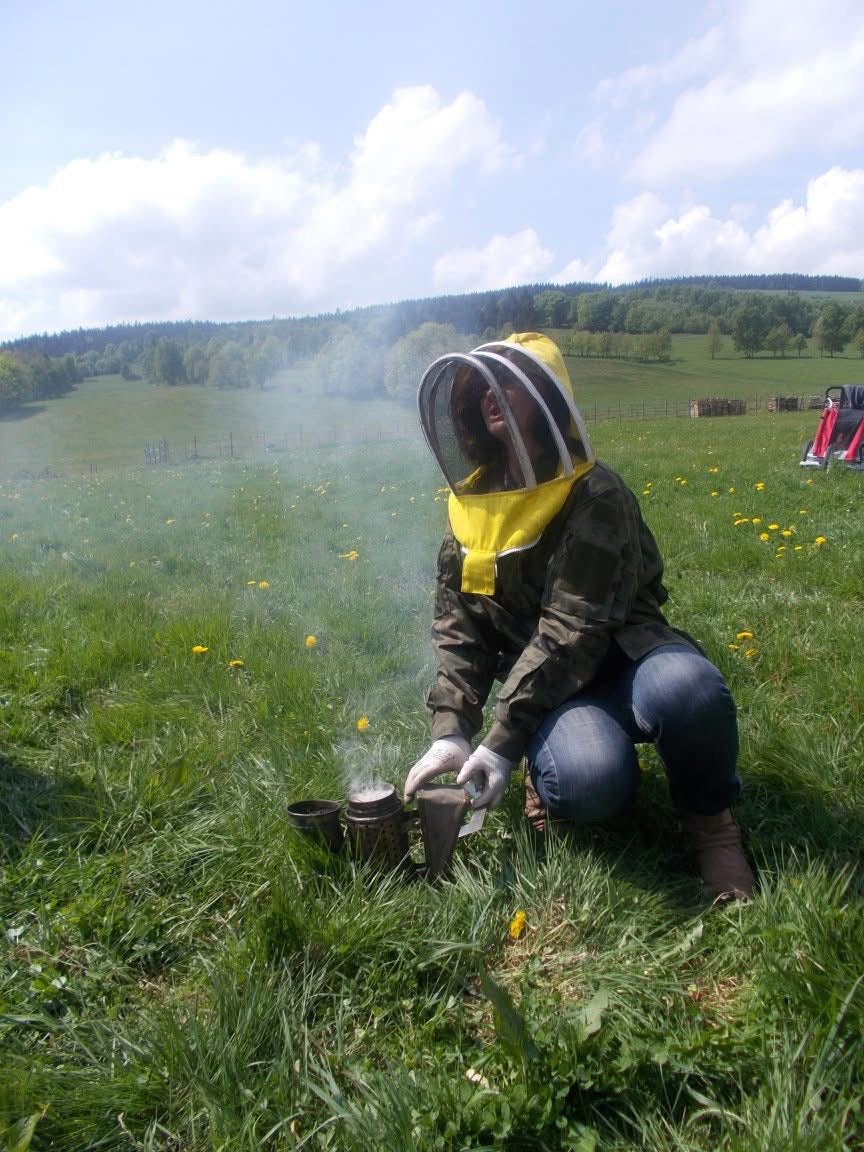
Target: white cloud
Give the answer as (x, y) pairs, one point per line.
(765, 80)
(825, 234)
(503, 262)
(217, 235)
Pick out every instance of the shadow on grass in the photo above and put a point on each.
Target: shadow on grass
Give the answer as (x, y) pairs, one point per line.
(22, 413)
(646, 848)
(31, 802)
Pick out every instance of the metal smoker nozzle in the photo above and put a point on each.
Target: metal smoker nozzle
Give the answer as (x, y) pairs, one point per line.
(442, 809)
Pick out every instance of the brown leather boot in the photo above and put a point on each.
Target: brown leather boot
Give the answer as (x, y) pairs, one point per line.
(535, 813)
(717, 840)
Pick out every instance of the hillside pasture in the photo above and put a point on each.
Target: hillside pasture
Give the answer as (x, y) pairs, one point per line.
(108, 423)
(186, 649)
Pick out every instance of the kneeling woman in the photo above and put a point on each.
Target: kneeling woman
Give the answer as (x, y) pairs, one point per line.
(550, 581)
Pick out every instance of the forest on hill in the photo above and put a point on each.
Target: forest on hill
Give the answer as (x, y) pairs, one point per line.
(382, 349)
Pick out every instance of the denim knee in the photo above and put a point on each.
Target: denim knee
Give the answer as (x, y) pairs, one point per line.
(586, 780)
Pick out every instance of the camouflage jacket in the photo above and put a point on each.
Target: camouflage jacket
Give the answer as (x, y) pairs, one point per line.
(593, 578)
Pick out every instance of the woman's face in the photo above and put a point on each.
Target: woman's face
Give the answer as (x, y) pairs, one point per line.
(522, 405)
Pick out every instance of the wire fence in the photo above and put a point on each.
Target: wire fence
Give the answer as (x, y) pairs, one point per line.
(246, 446)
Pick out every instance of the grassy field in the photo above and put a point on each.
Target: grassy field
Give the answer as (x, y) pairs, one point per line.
(181, 971)
(107, 423)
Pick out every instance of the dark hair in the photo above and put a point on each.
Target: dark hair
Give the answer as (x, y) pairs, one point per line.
(478, 444)
(476, 441)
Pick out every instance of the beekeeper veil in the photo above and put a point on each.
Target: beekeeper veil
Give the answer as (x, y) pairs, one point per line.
(503, 425)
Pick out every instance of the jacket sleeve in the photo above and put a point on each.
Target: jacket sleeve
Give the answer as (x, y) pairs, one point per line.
(593, 578)
(466, 651)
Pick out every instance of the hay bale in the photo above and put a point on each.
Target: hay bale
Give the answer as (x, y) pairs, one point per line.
(718, 406)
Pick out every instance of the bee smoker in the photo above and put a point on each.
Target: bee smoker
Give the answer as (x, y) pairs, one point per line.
(378, 826)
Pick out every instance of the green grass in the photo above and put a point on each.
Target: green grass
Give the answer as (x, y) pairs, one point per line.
(179, 971)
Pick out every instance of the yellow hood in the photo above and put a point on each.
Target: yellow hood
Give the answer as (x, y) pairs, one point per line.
(486, 520)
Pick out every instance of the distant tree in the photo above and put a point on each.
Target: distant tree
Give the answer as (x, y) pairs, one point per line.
(595, 309)
(14, 385)
(167, 363)
(228, 367)
(264, 359)
(350, 364)
(47, 377)
(410, 356)
(800, 343)
(655, 345)
(858, 341)
(777, 340)
(196, 364)
(552, 309)
(715, 339)
(748, 335)
(829, 329)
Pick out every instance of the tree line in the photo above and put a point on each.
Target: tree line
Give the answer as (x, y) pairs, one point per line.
(381, 350)
(27, 378)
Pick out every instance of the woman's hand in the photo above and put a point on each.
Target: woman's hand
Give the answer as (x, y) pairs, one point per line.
(445, 755)
(490, 775)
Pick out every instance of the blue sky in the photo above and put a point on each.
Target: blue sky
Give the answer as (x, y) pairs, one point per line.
(217, 160)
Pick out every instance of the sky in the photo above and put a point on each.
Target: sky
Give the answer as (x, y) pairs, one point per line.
(208, 160)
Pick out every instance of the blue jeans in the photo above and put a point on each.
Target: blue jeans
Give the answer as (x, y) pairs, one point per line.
(582, 758)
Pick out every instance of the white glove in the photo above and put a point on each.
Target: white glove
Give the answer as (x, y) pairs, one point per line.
(490, 775)
(446, 755)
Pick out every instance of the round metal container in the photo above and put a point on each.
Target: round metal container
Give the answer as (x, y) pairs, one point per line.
(318, 819)
(376, 823)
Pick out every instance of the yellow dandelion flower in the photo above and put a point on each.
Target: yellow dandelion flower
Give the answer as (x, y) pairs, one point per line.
(310, 641)
(742, 520)
(820, 540)
(760, 487)
(713, 469)
(199, 648)
(731, 489)
(362, 723)
(787, 532)
(236, 664)
(734, 647)
(802, 511)
(683, 479)
(263, 583)
(646, 491)
(171, 521)
(764, 535)
(756, 520)
(250, 583)
(352, 555)
(798, 547)
(773, 527)
(715, 493)
(517, 925)
(744, 636)
(750, 653)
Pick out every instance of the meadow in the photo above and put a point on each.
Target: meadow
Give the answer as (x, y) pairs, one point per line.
(185, 649)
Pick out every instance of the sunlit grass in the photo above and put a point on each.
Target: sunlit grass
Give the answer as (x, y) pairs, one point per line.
(181, 971)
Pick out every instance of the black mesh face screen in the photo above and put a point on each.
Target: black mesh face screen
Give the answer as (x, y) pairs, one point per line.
(496, 419)
(472, 427)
